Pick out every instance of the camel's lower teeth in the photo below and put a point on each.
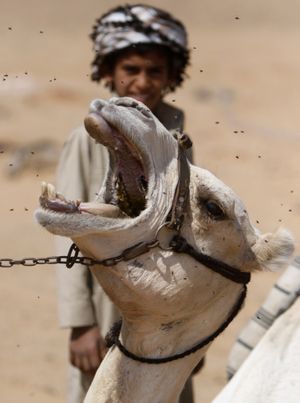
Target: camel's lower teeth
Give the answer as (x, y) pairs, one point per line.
(44, 189)
(62, 198)
(48, 191)
(51, 191)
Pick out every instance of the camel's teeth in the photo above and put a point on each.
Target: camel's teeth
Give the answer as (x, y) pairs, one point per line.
(51, 191)
(44, 191)
(61, 197)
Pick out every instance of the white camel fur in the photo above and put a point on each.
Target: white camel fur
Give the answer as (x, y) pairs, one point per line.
(169, 301)
(265, 359)
(271, 373)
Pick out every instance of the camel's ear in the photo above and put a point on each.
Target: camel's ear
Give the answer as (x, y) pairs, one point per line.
(273, 250)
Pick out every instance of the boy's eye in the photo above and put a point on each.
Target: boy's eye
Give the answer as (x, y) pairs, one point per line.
(134, 70)
(155, 71)
(131, 69)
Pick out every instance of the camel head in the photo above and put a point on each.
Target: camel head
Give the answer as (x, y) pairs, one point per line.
(134, 205)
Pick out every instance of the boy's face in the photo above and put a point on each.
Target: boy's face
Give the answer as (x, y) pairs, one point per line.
(140, 76)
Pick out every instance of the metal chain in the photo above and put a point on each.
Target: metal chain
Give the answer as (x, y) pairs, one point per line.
(135, 250)
(72, 257)
(129, 253)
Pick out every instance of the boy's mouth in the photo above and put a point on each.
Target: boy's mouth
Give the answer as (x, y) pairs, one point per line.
(140, 97)
(147, 99)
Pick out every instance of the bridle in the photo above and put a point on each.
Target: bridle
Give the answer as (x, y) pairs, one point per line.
(178, 244)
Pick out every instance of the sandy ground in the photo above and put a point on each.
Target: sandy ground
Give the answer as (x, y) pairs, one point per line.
(244, 75)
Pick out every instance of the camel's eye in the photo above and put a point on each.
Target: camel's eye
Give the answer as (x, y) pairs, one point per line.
(214, 210)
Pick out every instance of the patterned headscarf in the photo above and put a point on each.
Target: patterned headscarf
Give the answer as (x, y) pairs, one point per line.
(133, 25)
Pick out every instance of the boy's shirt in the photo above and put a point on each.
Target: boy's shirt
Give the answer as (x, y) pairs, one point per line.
(81, 171)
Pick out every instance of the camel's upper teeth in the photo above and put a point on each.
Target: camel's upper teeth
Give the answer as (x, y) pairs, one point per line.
(44, 189)
(62, 198)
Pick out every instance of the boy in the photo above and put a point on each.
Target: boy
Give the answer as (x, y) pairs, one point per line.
(141, 52)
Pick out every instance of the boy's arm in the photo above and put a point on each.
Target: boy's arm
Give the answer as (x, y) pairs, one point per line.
(76, 309)
(74, 285)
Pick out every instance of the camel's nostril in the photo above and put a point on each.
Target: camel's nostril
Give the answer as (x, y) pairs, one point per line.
(144, 111)
(97, 105)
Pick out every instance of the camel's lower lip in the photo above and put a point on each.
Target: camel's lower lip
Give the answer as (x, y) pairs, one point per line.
(57, 204)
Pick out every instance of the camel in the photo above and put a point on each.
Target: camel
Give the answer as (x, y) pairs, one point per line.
(268, 348)
(170, 244)
(271, 372)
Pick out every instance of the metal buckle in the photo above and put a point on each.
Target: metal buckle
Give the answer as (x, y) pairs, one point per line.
(164, 235)
(134, 251)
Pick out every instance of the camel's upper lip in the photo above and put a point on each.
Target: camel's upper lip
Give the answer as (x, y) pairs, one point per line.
(127, 182)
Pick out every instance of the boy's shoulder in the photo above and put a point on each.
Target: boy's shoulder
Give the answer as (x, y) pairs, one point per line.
(80, 137)
(170, 116)
(78, 133)
(80, 143)
(166, 108)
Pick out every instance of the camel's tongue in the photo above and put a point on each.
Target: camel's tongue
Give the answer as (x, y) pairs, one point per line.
(95, 208)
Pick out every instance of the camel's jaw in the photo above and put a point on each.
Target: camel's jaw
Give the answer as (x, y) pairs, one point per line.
(127, 183)
(129, 131)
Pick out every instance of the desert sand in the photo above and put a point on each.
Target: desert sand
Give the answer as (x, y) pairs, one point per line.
(241, 102)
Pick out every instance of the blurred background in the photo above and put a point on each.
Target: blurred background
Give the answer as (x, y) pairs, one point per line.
(241, 102)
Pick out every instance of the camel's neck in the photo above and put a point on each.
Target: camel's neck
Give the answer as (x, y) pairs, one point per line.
(121, 379)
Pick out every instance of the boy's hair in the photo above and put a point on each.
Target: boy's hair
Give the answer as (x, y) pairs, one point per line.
(142, 28)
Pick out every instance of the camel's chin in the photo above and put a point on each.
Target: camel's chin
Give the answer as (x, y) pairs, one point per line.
(56, 203)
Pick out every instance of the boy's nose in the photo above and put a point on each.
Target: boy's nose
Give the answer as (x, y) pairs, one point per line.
(143, 81)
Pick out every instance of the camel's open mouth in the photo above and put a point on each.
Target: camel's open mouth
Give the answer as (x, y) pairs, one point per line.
(127, 182)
